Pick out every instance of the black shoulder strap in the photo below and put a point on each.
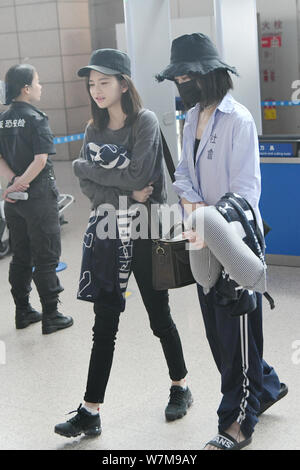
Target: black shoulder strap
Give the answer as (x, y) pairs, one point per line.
(166, 151)
(168, 158)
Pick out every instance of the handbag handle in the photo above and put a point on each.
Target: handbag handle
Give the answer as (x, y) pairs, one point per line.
(171, 232)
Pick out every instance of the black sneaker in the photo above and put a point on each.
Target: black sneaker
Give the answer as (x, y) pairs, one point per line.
(54, 322)
(25, 316)
(82, 423)
(179, 402)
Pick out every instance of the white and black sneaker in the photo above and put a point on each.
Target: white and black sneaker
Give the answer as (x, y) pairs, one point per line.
(82, 423)
(179, 401)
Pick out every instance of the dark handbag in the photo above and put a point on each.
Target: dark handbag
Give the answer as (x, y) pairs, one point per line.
(170, 257)
(170, 264)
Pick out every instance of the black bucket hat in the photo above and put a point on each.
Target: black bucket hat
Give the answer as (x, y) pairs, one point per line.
(193, 53)
(107, 61)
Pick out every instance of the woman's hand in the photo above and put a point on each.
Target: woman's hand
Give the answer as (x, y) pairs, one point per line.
(144, 194)
(15, 187)
(197, 243)
(18, 185)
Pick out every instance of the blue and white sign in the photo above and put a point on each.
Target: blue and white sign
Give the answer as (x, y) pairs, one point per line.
(267, 149)
(281, 103)
(68, 138)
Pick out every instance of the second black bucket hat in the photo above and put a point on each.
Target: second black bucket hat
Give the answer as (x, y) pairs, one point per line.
(107, 61)
(193, 53)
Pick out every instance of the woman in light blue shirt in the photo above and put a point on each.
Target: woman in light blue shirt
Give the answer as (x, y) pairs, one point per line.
(220, 154)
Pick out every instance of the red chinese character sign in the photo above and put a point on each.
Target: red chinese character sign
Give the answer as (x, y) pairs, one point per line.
(271, 41)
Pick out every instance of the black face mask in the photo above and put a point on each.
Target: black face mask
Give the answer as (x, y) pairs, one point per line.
(190, 93)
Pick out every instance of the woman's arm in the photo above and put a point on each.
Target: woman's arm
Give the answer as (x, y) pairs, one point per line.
(143, 160)
(100, 194)
(189, 206)
(244, 164)
(32, 171)
(5, 170)
(8, 174)
(183, 184)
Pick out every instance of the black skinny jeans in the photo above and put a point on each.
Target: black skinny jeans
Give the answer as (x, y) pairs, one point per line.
(107, 321)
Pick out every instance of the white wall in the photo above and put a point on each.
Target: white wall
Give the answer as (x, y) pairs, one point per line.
(237, 42)
(191, 8)
(179, 26)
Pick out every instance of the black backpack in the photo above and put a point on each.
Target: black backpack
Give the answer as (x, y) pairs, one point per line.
(234, 299)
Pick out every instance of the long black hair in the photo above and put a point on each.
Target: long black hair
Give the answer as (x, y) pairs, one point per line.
(130, 101)
(214, 85)
(16, 78)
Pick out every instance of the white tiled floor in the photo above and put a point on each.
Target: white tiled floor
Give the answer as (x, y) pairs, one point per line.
(44, 376)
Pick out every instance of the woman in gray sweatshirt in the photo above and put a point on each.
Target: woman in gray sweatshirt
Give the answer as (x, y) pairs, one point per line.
(121, 157)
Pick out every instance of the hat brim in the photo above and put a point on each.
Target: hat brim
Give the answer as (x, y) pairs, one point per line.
(184, 68)
(85, 71)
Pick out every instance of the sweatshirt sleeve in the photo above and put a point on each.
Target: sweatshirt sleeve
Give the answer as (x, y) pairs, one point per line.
(142, 168)
(96, 193)
(99, 194)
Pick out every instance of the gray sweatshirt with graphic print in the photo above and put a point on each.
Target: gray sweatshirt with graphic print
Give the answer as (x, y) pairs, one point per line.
(143, 140)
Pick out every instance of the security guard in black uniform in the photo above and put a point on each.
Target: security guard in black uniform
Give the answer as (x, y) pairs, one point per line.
(26, 141)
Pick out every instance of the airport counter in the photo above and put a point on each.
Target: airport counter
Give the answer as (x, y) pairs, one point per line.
(280, 197)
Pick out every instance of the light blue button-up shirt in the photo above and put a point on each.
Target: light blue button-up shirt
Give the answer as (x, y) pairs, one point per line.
(227, 158)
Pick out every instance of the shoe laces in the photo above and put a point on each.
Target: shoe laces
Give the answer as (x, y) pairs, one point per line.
(75, 418)
(176, 395)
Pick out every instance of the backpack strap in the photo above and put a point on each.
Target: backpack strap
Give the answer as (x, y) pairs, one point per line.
(270, 300)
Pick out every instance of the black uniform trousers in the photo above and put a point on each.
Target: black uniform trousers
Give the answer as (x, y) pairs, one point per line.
(34, 231)
(107, 321)
(237, 347)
